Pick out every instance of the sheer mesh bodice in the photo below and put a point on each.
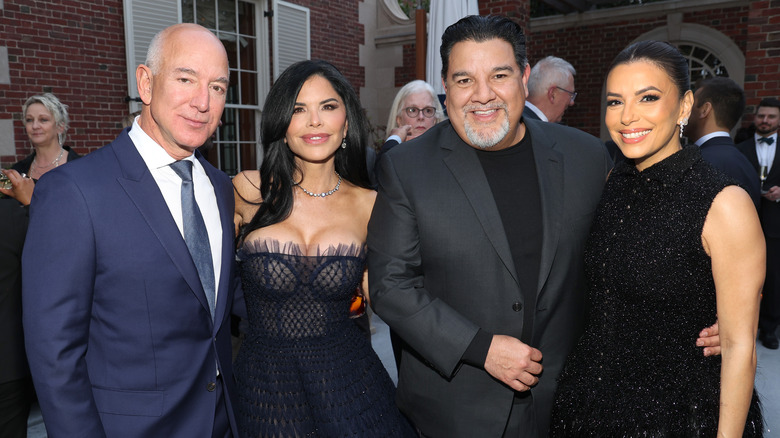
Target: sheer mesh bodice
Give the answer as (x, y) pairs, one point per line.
(305, 368)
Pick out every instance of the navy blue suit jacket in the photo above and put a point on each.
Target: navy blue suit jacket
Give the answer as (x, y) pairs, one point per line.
(722, 153)
(769, 211)
(117, 327)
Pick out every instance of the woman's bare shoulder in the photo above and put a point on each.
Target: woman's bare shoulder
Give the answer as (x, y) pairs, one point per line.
(247, 185)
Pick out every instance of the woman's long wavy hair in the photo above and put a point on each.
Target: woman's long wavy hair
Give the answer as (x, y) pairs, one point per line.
(279, 166)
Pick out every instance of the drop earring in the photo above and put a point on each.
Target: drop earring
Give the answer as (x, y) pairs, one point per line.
(682, 124)
(344, 143)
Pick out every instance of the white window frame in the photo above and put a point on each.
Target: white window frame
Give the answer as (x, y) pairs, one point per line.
(143, 19)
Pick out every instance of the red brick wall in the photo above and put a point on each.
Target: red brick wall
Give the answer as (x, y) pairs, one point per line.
(408, 71)
(590, 49)
(336, 35)
(517, 10)
(76, 50)
(762, 69)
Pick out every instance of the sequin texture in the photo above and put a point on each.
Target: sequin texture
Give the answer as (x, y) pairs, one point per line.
(637, 372)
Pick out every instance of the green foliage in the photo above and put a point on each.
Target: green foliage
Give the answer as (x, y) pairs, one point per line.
(409, 6)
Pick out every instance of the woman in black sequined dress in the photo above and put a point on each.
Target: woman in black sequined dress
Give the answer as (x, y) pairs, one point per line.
(674, 246)
(305, 368)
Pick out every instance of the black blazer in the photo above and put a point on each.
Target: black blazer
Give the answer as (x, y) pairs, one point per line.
(722, 153)
(528, 113)
(769, 211)
(440, 268)
(13, 228)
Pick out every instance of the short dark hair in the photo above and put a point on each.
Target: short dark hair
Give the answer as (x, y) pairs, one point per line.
(727, 100)
(770, 102)
(664, 55)
(480, 29)
(278, 168)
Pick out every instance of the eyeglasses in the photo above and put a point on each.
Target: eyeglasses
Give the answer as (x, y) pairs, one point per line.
(428, 111)
(573, 94)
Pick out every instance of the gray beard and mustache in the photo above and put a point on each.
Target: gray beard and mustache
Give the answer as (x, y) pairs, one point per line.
(486, 140)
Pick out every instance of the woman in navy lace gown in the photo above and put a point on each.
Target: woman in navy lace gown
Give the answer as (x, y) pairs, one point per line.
(305, 368)
(675, 245)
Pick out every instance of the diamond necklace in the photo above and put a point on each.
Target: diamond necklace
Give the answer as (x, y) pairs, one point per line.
(323, 194)
(55, 163)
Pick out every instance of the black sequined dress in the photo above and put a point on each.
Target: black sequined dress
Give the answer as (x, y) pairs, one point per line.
(305, 369)
(636, 371)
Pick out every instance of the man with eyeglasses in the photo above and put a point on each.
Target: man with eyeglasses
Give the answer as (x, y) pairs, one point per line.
(550, 90)
(415, 109)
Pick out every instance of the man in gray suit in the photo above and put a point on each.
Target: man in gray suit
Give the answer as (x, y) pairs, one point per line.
(476, 245)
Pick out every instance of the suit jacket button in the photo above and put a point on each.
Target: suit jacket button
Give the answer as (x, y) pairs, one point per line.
(518, 306)
(211, 386)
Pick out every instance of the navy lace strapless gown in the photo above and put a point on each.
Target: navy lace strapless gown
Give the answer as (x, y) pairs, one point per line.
(305, 369)
(636, 371)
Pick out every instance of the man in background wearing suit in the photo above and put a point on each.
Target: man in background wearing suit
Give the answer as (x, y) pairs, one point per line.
(718, 106)
(550, 90)
(128, 269)
(761, 151)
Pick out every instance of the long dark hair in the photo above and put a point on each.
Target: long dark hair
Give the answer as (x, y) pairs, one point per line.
(278, 168)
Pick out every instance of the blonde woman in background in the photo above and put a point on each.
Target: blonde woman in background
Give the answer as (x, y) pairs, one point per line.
(415, 109)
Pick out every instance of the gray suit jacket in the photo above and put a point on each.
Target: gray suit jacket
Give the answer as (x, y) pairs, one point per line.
(440, 268)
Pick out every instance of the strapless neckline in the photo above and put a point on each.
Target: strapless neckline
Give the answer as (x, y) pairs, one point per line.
(274, 246)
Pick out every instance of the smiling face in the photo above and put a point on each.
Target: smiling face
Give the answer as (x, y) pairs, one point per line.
(41, 128)
(184, 99)
(319, 122)
(767, 120)
(643, 110)
(419, 124)
(486, 92)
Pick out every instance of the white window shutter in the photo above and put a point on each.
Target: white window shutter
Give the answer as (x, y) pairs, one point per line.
(291, 35)
(143, 19)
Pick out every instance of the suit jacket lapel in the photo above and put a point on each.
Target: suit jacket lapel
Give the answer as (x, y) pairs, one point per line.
(227, 253)
(140, 186)
(549, 168)
(752, 155)
(462, 161)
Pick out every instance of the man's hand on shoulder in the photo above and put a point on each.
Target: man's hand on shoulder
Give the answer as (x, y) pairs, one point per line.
(513, 362)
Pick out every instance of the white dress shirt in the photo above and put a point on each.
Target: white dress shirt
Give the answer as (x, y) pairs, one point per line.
(707, 137)
(536, 111)
(158, 161)
(766, 152)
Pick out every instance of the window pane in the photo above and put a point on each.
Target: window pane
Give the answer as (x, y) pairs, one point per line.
(233, 89)
(246, 18)
(248, 49)
(249, 88)
(187, 12)
(227, 15)
(229, 40)
(205, 13)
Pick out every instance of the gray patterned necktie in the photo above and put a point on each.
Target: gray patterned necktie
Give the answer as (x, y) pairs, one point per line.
(195, 234)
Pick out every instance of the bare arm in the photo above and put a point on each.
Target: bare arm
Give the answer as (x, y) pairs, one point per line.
(246, 190)
(732, 237)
